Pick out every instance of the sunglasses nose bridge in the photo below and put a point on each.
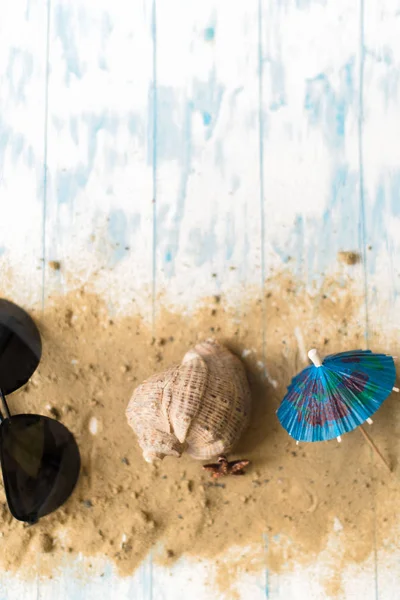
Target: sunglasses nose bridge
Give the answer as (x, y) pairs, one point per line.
(4, 406)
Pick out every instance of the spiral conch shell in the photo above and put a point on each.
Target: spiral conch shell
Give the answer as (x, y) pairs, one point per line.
(201, 406)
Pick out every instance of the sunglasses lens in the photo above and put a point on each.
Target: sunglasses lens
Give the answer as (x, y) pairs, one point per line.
(20, 347)
(41, 463)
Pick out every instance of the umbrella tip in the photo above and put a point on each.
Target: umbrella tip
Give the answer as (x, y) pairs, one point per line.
(315, 358)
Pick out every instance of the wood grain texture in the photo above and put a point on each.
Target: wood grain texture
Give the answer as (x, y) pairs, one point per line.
(22, 146)
(208, 231)
(312, 191)
(189, 149)
(99, 212)
(311, 55)
(381, 160)
(99, 205)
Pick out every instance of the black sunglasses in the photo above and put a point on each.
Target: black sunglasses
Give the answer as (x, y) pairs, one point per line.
(39, 457)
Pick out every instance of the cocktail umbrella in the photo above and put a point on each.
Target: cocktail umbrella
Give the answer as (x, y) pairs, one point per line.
(336, 395)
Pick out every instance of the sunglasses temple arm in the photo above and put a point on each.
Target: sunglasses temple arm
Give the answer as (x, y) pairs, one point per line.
(5, 406)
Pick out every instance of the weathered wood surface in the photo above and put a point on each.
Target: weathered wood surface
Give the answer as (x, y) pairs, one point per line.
(195, 147)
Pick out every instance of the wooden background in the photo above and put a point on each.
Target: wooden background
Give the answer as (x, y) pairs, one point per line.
(152, 144)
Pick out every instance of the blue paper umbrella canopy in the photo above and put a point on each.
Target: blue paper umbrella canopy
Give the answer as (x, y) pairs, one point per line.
(337, 395)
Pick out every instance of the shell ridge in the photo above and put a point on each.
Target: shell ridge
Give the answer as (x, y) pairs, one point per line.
(200, 406)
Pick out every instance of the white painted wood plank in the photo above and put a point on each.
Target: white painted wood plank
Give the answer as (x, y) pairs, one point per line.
(23, 29)
(199, 577)
(381, 162)
(100, 186)
(99, 213)
(76, 583)
(381, 175)
(311, 181)
(208, 230)
(23, 78)
(310, 145)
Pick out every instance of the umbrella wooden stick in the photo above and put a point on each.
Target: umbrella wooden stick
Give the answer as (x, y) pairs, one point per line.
(374, 448)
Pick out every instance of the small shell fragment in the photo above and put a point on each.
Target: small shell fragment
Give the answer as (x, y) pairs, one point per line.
(93, 426)
(201, 406)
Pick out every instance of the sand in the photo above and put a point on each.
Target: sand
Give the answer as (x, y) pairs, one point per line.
(122, 506)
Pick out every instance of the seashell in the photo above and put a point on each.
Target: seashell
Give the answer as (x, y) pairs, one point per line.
(201, 406)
